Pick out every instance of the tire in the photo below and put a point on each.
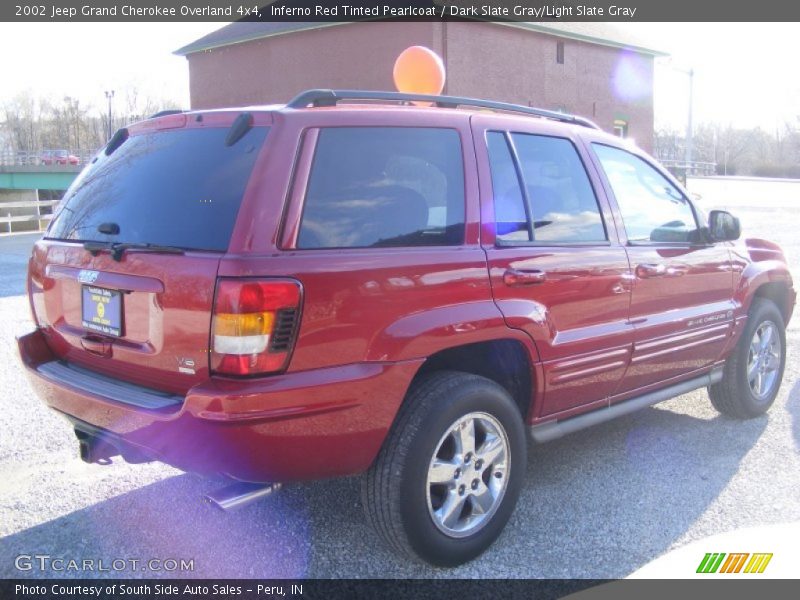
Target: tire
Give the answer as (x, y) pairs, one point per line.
(409, 510)
(741, 394)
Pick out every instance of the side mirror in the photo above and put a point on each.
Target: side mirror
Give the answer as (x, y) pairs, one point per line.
(723, 226)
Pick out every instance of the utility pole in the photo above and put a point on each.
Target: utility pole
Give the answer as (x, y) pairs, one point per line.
(688, 156)
(109, 97)
(688, 149)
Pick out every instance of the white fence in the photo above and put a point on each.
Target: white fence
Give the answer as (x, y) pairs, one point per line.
(7, 219)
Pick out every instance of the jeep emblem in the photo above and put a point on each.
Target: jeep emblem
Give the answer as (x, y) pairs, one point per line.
(87, 276)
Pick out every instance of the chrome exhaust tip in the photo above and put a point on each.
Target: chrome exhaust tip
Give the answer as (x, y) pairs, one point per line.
(239, 494)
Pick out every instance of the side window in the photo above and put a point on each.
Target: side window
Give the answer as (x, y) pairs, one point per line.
(511, 222)
(384, 186)
(653, 209)
(563, 207)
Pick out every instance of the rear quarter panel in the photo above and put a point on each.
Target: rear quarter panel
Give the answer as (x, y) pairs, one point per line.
(366, 304)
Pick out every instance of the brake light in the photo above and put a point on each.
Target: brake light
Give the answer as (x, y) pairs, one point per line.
(254, 325)
(158, 123)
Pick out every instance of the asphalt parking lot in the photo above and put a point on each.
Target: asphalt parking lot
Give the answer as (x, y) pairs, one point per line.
(598, 504)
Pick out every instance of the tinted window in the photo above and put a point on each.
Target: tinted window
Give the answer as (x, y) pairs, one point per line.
(653, 209)
(384, 186)
(562, 203)
(511, 223)
(177, 188)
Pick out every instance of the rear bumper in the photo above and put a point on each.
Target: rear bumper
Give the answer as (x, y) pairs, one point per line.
(297, 426)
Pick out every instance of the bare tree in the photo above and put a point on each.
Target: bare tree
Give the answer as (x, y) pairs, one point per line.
(29, 123)
(737, 151)
(21, 116)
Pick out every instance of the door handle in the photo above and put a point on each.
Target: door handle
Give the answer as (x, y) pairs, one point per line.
(649, 270)
(518, 277)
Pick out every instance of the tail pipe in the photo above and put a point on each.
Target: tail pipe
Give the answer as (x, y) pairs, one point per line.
(239, 494)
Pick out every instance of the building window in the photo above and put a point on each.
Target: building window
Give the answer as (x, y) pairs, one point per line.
(560, 53)
(620, 128)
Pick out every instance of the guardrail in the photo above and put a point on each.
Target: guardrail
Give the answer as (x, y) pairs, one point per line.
(7, 218)
(28, 158)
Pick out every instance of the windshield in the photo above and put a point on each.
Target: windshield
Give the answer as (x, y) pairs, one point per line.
(172, 188)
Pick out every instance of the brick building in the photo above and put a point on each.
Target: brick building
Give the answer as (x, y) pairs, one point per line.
(590, 69)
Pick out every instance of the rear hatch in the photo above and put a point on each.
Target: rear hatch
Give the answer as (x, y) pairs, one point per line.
(123, 281)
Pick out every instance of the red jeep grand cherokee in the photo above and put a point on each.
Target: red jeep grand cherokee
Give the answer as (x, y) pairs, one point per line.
(329, 288)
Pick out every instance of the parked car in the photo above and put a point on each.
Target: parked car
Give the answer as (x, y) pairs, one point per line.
(410, 293)
(58, 157)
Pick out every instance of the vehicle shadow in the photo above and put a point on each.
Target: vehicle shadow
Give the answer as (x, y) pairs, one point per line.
(168, 520)
(600, 504)
(614, 498)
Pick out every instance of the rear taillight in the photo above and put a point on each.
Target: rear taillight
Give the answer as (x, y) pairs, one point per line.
(254, 325)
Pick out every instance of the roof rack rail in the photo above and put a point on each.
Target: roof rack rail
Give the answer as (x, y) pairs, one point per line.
(332, 97)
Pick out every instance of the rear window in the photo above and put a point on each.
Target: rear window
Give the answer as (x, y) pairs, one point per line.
(174, 188)
(384, 186)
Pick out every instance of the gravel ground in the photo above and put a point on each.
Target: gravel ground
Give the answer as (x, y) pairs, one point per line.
(598, 504)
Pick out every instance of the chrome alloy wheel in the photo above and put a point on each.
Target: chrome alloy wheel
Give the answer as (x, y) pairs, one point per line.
(468, 474)
(764, 360)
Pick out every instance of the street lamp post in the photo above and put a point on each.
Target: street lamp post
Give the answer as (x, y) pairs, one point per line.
(688, 154)
(688, 148)
(109, 97)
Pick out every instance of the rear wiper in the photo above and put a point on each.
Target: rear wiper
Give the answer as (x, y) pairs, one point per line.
(118, 248)
(94, 248)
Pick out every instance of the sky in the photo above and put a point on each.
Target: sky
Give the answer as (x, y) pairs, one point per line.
(83, 60)
(744, 72)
